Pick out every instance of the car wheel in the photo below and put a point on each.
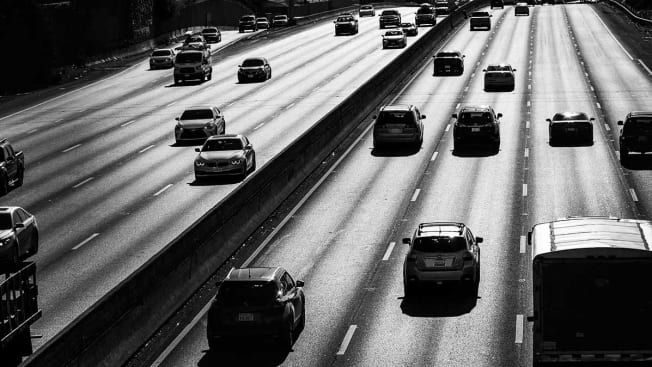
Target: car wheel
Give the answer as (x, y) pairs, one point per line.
(287, 337)
(210, 75)
(589, 138)
(177, 81)
(202, 78)
(213, 344)
(33, 248)
(253, 164)
(19, 178)
(4, 185)
(198, 179)
(302, 320)
(240, 80)
(15, 258)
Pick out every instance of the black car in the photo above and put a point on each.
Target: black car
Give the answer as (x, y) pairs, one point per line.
(257, 302)
(571, 127)
(247, 22)
(389, 17)
(497, 4)
(254, 69)
(448, 63)
(636, 134)
(476, 125)
(346, 24)
(212, 34)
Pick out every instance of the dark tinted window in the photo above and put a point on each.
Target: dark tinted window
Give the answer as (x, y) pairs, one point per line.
(475, 118)
(253, 62)
(253, 293)
(345, 19)
(5, 221)
(197, 114)
(209, 30)
(222, 144)
(447, 54)
(425, 10)
(161, 53)
(479, 14)
(638, 125)
(393, 33)
(439, 244)
(570, 116)
(193, 57)
(247, 19)
(396, 117)
(390, 12)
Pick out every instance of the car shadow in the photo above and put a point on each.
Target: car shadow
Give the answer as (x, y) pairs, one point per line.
(439, 302)
(401, 151)
(570, 143)
(184, 84)
(212, 181)
(267, 353)
(475, 152)
(187, 144)
(638, 162)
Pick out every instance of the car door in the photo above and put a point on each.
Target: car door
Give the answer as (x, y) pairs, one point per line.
(21, 233)
(10, 162)
(473, 246)
(219, 120)
(293, 296)
(29, 229)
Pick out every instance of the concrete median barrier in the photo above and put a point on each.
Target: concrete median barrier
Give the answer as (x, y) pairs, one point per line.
(110, 331)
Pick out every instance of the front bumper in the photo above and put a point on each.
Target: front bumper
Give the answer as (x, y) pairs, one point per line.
(217, 171)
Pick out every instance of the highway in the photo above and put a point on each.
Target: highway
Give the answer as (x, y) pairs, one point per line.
(109, 187)
(345, 240)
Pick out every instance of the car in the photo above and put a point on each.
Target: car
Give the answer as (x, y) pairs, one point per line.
(575, 127)
(499, 77)
(225, 155)
(441, 253)
(531, 2)
(162, 57)
(442, 7)
(521, 9)
(398, 124)
(12, 167)
(199, 123)
(480, 19)
(212, 34)
(389, 17)
(346, 24)
(636, 134)
(254, 69)
(262, 23)
(280, 20)
(394, 38)
(426, 14)
(497, 4)
(18, 236)
(448, 62)
(257, 302)
(193, 64)
(410, 29)
(476, 125)
(195, 42)
(247, 23)
(367, 10)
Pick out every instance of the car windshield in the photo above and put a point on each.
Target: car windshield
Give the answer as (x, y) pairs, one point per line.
(390, 12)
(209, 30)
(425, 10)
(197, 115)
(638, 125)
(345, 19)
(479, 14)
(247, 19)
(393, 33)
(161, 53)
(498, 68)
(447, 54)
(216, 145)
(261, 20)
(395, 117)
(570, 116)
(237, 294)
(439, 244)
(475, 118)
(191, 57)
(366, 7)
(253, 62)
(5, 221)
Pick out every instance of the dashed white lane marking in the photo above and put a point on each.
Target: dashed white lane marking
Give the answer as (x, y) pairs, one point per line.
(612, 35)
(519, 329)
(32, 131)
(458, 106)
(159, 192)
(526, 153)
(527, 124)
(171, 104)
(472, 75)
(83, 182)
(146, 149)
(230, 104)
(415, 195)
(388, 253)
(89, 239)
(529, 103)
(606, 126)
(592, 89)
(529, 86)
(466, 89)
(290, 106)
(633, 193)
(447, 127)
(434, 156)
(522, 246)
(524, 189)
(598, 105)
(347, 340)
(59, 120)
(645, 66)
(259, 126)
(128, 123)
(71, 148)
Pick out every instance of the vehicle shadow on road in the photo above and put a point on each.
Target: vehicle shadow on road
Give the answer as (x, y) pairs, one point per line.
(439, 302)
(395, 152)
(638, 162)
(478, 152)
(266, 354)
(569, 143)
(184, 84)
(186, 144)
(211, 181)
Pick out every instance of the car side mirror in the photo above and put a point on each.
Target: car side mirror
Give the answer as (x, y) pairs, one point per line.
(19, 225)
(620, 123)
(423, 116)
(300, 283)
(454, 115)
(549, 120)
(248, 146)
(513, 69)
(479, 239)
(463, 56)
(499, 115)
(197, 150)
(374, 117)
(407, 241)
(592, 119)
(484, 70)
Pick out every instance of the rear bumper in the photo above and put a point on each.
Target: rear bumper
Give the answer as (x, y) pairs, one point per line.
(416, 276)
(396, 139)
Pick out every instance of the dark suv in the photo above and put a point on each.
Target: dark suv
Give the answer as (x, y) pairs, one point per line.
(263, 302)
(636, 134)
(441, 253)
(476, 125)
(247, 22)
(497, 4)
(389, 17)
(398, 124)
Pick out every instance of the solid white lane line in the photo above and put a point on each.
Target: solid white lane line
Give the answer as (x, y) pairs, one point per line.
(606, 126)
(83, 182)
(415, 195)
(527, 152)
(645, 66)
(527, 124)
(522, 246)
(388, 253)
(259, 126)
(146, 149)
(128, 123)
(524, 189)
(71, 148)
(633, 193)
(519, 329)
(171, 104)
(448, 127)
(230, 104)
(159, 192)
(529, 86)
(347, 340)
(434, 156)
(89, 239)
(612, 35)
(32, 131)
(598, 104)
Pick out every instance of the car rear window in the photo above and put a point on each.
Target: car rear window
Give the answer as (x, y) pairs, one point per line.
(5, 221)
(280, 17)
(209, 30)
(570, 116)
(390, 12)
(345, 19)
(253, 62)
(395, 117)
(393, 33)
(479, 14)
(161, 53)
(439, 244)
(247, 19)
(222, 144)
(197, 114)
(425, 10)
(236, 294)
(638, 125)
(189, 57)
(475, 118)
(447, 54)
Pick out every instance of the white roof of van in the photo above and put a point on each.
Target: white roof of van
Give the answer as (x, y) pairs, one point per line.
(578, 233)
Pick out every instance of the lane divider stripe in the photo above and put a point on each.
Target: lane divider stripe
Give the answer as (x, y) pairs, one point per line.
(434, 156)
(159, 192)
(89, 239)
(388, 253)
(633, 193)
(522, 246)
(83, 182)
(71, 148)
(519, 329)
(347, 340)
(415, 195)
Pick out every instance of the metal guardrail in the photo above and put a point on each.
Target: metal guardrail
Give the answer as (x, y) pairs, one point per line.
(634, 17)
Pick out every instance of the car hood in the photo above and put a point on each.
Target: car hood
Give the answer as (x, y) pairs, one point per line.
(4, 233)
(161, 57)
(194, 123)
(221, 155)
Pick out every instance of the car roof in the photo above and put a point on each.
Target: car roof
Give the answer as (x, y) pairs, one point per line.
(567, 116)
(640, 114)
(199, 108)
(209, 29)
(229, 136)
(255, 58)
(473, 108)
(397, 107)
(7, 209)
(253, 274)
(448, 52)
(440, 229)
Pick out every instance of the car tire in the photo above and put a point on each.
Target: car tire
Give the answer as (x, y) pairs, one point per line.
(202, 78)
(624, 155)
(287, 337)
(210, 75)
(240, 80)
(589, 138)
(4, 185)
(177, 81)
(19, 178)
(302, 319)
(253, 164)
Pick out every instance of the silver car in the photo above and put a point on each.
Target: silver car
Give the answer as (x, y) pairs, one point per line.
(162, 58)
(18, 235)
(225, 155)
(199, 123)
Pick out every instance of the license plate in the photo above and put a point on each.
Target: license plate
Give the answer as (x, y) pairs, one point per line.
(395, 131)
(642, 138)
(435, 263)
(186, 75)
(245, 317)
(250, 76)
(571, 129)
(475, 129)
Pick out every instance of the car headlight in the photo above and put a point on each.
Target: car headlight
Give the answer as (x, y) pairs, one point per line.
(236, 161)
(178, 127)
(199, 163)
(210, 125)
(5, 241)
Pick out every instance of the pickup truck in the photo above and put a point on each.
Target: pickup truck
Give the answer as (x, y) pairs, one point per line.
(12, 167)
